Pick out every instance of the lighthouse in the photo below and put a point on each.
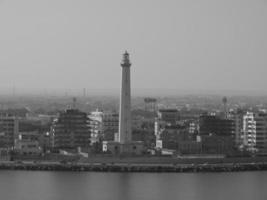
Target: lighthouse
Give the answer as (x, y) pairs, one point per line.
(125, 129)
(123, 143)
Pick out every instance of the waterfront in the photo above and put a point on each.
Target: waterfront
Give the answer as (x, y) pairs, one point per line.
(134, 167)
(139, 164)
(34, 185)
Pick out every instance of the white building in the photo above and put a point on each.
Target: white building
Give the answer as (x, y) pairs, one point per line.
(159, 127)
(249, 131)
(104, 126)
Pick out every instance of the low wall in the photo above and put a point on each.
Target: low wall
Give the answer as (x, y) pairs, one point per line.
(120, 167)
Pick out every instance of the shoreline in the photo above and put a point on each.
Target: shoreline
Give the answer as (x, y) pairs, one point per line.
(134, 167)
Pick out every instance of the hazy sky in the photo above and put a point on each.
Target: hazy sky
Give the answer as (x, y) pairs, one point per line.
(174, 44)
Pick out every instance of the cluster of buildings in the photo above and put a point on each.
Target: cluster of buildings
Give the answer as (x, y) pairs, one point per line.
(104, 125)
(230, 133)
(227, 132)
(20, 135)
(75, 129)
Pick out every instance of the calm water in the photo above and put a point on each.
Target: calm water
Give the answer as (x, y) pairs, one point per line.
(26, 185)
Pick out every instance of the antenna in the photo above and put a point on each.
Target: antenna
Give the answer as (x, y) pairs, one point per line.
(224, 100)
(84, 92)
(150, 104)
(14, 90)
(74, 101)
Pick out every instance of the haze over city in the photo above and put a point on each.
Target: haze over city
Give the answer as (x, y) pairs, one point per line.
(176, 45)
(141, 99)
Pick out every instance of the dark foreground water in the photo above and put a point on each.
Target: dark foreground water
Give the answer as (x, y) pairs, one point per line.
(33, 185)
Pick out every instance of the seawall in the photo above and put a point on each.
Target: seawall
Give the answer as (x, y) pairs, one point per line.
(119, 167)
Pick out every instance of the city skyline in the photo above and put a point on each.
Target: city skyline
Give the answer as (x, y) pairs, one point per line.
(175, 45)
(133, 99)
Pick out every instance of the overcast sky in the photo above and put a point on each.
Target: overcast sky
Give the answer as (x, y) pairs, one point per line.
(173, 44)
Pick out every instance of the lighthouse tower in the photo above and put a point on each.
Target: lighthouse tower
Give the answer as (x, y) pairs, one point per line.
(123, 143)
(125, 131)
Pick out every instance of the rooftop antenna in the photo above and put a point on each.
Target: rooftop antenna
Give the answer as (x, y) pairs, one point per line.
(150, 104)
(224, 100)
(14, 90)
(84, 92)
(74, 101)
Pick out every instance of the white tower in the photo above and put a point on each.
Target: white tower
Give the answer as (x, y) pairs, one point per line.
(125, 130)
(123, 143)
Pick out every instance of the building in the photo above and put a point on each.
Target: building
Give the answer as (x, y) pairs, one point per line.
(45, 141)
(167, 131)
(214, 144)
(261, 132)
(217, 134)
(170, 116)
(189, 147)
(214, 125)
(145, 135)
(238, 118)
(254, 132)
(171, 136)
(27, 147)
(104, 125)
(150, 104)
(123, 143)
(71, 130)
(193, 128)
(30, 135)
(159, 127)
(18, 112)
(168, 136)
(27, 143)
(5, 154)
(9, 128)
(249, 131)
